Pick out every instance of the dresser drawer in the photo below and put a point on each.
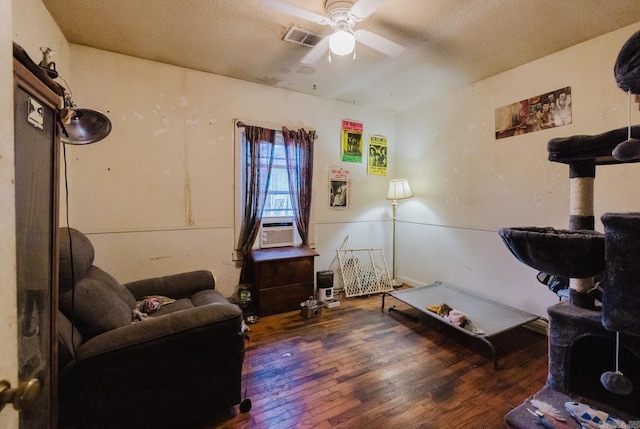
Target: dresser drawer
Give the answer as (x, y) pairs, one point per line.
(285, 272)
(282, 278)
(280, 299)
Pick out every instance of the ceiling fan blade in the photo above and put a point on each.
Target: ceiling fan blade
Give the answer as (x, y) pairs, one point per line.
(316, 52)
(379, 43)
(364, 8)
(289, 9)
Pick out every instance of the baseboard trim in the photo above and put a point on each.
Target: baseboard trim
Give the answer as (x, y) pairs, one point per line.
(541, 326)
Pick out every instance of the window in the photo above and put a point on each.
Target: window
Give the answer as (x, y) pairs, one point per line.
(278, 203)
(283, 204)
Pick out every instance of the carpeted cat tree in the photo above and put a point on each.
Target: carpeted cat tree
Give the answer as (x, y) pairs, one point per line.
(582, 334)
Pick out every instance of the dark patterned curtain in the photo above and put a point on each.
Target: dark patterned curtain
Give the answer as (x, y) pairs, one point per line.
(299, 152)
(258, 148)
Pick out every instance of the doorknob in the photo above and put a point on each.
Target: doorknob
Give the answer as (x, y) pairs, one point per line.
(22, 397)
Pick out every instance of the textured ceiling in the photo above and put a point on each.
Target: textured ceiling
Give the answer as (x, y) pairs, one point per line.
(449, 43)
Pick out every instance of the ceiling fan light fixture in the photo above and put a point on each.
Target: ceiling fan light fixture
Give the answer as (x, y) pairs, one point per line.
(342, 42)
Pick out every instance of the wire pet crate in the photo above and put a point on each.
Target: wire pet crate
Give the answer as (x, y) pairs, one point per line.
(364, 271)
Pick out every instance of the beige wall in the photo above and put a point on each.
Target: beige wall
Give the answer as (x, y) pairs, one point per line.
(157, 195)
(468, 184)
(8, 327)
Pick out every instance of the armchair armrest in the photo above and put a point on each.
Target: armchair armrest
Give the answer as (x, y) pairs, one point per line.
(174, 286)
(136, 338)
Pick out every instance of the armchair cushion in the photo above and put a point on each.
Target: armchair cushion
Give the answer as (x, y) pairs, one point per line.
(175, 286)
(208, 296)
(99, 303)
(83, 255)
(178, 305)
(189, 290)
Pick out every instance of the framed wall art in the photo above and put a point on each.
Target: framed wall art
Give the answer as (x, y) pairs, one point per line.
(377, 163)
(351, 141)
(549, 110)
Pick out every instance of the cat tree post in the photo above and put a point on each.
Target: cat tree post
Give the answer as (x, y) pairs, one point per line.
(581, 216)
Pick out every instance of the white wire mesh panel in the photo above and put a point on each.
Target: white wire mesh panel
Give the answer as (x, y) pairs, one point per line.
(364, 271)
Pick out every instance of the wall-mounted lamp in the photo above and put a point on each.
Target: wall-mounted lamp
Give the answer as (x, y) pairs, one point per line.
(398, 190)
(82, 126)
(79, 126)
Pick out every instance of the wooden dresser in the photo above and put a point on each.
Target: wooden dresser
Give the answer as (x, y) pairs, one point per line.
(281, 278)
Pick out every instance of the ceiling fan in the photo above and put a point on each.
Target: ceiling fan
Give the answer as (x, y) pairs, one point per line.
(342, 16)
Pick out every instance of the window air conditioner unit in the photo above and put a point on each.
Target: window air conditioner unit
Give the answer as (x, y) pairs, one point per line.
(276, 233)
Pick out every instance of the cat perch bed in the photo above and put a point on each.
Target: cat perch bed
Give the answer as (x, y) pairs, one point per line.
(565, 253)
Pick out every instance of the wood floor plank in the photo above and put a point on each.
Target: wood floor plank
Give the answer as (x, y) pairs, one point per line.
(359, 367)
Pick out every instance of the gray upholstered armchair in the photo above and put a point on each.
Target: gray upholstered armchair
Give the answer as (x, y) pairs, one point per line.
(122, 369)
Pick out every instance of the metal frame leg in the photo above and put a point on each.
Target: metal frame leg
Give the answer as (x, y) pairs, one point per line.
(494, 357)
(393, 308)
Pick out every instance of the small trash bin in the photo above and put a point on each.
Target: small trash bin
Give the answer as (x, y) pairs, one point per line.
(324, 283)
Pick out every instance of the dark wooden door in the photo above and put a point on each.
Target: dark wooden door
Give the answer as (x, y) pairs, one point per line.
(36, 195)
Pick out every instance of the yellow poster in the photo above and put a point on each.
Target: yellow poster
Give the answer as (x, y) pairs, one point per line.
(377, 156)
(351, 144)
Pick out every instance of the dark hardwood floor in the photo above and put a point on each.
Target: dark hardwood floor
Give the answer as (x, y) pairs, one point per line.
(359, 367)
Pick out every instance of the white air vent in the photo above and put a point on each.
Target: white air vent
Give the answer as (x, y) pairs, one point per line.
(300, 36)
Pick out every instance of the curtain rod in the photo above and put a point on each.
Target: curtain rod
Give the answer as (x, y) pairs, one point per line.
(240, 124)
(243, 125)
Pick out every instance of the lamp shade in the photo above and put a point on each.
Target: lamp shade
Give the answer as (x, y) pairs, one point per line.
(342, 42)
(84, 126)
(399, 190)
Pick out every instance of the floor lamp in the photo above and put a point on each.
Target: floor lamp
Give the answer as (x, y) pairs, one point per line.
(398, 190)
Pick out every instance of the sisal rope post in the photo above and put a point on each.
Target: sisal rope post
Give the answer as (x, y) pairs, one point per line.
(581, 216)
